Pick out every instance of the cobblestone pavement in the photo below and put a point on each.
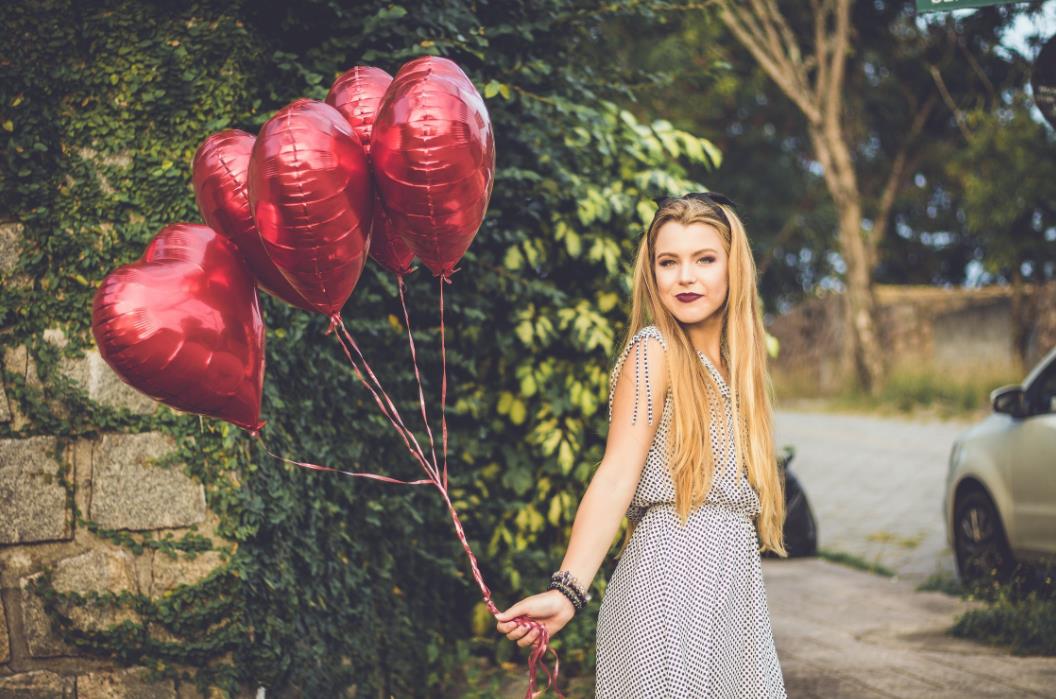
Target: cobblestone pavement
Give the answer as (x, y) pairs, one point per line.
(845, 634)
(875, 485)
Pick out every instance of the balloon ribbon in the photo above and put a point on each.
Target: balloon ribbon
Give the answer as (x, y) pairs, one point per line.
(436, 477)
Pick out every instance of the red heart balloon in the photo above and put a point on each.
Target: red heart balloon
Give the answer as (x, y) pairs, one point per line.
(357, 94)
(386, 246)
(433, 150)
(220, 189)
(312, 198)
(183, 325)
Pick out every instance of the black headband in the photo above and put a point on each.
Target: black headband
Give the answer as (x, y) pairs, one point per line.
(713, 198)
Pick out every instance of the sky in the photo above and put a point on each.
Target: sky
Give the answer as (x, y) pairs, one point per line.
(1024, 27)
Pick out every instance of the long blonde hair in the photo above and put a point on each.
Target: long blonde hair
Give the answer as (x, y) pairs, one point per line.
(692, 387)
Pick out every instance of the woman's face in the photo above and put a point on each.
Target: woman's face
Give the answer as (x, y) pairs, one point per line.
(691, 270)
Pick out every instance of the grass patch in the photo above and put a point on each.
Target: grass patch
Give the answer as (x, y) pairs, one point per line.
(852, 561)
(944, 582)
(1020, 614)
(912, 389)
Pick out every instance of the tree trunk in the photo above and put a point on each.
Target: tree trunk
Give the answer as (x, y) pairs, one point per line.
(815, 85)
(1023, 307)
(860, 308)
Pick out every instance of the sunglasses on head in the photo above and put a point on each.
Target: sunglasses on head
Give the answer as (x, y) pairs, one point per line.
(713, 198)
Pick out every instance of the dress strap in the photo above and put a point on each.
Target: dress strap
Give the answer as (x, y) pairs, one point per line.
(641, 370)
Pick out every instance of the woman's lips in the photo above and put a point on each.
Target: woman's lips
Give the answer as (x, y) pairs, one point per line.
(686, 298)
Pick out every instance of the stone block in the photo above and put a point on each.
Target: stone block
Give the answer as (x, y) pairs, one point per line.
(10, 242)
(169, 573)
(98, 570)
(95, 377)
(101, 570)
(134, 683)
(5, 644)
(41, 639)
(18, 361)
(40, 684)
(129, 492)
(32, 496)
(5, 410)
(10, 237)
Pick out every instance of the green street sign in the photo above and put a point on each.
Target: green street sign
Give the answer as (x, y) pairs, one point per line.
(947, 5)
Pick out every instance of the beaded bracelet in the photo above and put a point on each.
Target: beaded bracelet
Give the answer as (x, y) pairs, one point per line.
(575, 599)
(566, 578)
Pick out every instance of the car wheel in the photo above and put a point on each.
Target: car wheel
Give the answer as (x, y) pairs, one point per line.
(980, 545)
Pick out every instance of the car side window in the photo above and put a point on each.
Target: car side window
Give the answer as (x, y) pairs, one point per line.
(1044, 398)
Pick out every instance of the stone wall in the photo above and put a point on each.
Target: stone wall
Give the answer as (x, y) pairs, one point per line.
(114, 482)
(942, 329)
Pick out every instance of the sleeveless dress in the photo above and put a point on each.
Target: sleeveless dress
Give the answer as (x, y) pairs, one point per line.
(685, 614)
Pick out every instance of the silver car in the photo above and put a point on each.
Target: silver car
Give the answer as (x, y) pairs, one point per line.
(1000, 500)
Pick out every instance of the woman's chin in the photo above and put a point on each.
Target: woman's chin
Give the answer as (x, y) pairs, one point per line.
(686, 317)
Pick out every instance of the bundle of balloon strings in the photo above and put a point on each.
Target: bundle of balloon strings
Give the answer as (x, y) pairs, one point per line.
(436, 477)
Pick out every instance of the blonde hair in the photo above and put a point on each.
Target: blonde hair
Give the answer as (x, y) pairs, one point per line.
(692, 387)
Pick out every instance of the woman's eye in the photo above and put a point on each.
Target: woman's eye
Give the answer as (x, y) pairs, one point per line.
(709, 259)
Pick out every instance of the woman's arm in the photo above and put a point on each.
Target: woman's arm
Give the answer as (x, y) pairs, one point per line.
(611, 488)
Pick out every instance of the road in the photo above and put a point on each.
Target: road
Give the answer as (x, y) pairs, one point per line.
(875, 485)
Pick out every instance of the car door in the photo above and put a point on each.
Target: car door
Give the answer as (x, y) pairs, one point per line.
(1034, 465)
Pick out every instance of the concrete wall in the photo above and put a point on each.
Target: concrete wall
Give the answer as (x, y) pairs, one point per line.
(944, 329)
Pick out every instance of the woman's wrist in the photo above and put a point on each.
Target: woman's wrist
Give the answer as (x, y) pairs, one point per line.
(566, 577)
(567, 594)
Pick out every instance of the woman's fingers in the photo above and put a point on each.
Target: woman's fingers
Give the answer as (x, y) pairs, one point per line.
(518, 632)
(529, 638)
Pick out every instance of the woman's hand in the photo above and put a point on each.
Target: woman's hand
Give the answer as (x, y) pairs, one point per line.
(551, 609)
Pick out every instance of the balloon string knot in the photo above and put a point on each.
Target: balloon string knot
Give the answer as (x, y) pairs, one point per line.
(446, 276)
(335, 320)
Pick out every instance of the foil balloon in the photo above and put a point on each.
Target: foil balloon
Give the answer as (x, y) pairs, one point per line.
(433, 150)
(219, 176)
(356, 94)
(183, 325)
(312, 197)
(386, 247)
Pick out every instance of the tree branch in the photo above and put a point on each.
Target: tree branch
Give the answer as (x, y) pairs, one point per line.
(896, 179)
(840, 39)
(958, 116)
(748, 32)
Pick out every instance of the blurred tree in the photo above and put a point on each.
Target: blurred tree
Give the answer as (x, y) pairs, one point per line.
(891, 120)
(1008, 175)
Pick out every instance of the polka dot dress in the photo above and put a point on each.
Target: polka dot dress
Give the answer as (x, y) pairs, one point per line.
(685, 615)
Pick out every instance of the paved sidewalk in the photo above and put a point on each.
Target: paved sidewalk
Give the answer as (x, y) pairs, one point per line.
(875, 485)
(845, 634)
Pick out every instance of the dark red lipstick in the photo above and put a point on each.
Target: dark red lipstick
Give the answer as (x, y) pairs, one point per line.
(686, 298)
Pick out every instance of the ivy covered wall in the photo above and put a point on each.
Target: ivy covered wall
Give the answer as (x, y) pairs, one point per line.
(304, 583)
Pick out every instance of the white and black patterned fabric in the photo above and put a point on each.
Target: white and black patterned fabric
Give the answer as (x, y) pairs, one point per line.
(685, 614)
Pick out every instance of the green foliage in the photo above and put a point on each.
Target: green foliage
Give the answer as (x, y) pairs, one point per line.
(338, 581)
(690, 70)
(1007, 171)
(1019, 614)
(857, 562)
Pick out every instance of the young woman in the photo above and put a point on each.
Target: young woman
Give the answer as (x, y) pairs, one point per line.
(685, 614)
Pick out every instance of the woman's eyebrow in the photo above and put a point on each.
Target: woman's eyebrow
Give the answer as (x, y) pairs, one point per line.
(661, 254)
